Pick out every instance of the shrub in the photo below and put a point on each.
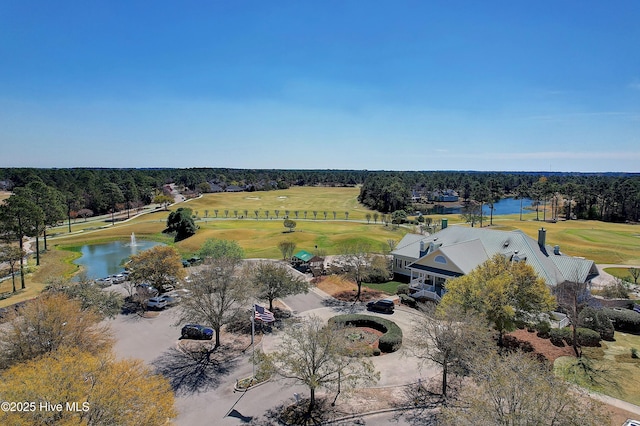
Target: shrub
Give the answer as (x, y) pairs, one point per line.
(557, 336)
(623, 319)
(586, 337)
(634, 353)
(403, 289)
(513, 343)
(596, 320)
(544, 328)
(390, 341)
(405, 299)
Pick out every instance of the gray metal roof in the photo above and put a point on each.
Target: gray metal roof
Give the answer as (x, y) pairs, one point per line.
(455, 245)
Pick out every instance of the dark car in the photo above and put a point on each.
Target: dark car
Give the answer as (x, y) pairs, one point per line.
(196, 331)
(383, 305)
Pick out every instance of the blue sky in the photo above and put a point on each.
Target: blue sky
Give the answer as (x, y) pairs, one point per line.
(395, 85)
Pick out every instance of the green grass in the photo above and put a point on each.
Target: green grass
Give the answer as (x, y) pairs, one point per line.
(622, 273)
(301, 199)
(389, 287)
(620, 373)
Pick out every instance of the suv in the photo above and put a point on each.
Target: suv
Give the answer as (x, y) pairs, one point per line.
(384, 305)
(157, 302)
(196, 331)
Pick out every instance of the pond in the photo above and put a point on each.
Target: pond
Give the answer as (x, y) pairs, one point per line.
(504, 206)
(102, 260)
(508, 206)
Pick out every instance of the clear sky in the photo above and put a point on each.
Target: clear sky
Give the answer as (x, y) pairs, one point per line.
(395, 85)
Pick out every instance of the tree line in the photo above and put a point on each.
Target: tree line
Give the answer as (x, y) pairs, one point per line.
(612, 197)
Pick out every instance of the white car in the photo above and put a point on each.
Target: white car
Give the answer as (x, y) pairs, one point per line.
(157, 302)
(175, 296)
(118, 278)
(631, 422)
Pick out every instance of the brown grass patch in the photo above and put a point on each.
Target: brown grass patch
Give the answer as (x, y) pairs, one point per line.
(343, 289)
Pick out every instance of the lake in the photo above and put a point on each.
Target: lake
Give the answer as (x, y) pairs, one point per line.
(508, 206)
(102, 260)
(504, 206)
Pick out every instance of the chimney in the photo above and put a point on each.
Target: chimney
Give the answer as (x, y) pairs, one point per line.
(422, 249)
(556, 250)
(542, 237)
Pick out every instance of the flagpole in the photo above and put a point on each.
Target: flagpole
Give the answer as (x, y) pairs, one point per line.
(253, 345)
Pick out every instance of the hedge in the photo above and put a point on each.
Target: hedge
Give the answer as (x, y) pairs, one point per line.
(586, 337)
(623, 319)
(405, 299)
(597, 320)
(390, 341)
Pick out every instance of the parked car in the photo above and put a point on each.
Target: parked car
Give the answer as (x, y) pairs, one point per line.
(384, 305)
(157, 302)
(172, 298)
(196, 331)
(118, 278)
(148, 288)
(631, 422)
(104, 282)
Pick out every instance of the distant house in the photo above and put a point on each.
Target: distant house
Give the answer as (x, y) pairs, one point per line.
(215, 187)
(444, 196)
(427, 262)
(234, 188)
(5, 185)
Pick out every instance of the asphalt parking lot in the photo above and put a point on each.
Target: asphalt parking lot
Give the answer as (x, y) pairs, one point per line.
(207, 396)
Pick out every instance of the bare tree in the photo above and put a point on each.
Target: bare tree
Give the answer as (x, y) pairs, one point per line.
(274, 280)
(314, 354)
(217, 294)
(48, 323)
(572, 296)
(11, 254)
(635, 274)
(85, 213)
(361, 265)
(516, 389)
(287, 248)
(450, 338)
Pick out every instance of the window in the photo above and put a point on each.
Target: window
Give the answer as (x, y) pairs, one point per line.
(440, 259)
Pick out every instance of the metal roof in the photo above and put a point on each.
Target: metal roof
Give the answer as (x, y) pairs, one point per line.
(455, 243)
(303, 255)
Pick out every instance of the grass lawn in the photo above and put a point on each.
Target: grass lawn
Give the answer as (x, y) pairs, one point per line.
(622, 273)
(389, 287)
(53, 263)
(300, 199)
(621, 372)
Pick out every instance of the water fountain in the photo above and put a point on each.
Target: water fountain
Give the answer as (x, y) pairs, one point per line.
(133, 240)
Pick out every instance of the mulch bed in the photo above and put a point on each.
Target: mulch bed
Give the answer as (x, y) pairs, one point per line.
(543, 346)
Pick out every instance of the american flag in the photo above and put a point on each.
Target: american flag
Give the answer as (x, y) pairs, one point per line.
(263, 314)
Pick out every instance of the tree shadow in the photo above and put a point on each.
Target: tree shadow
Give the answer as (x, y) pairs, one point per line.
(422, 403)
(236, 414)
(292, 413)
(196, 370)
(343, 306)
